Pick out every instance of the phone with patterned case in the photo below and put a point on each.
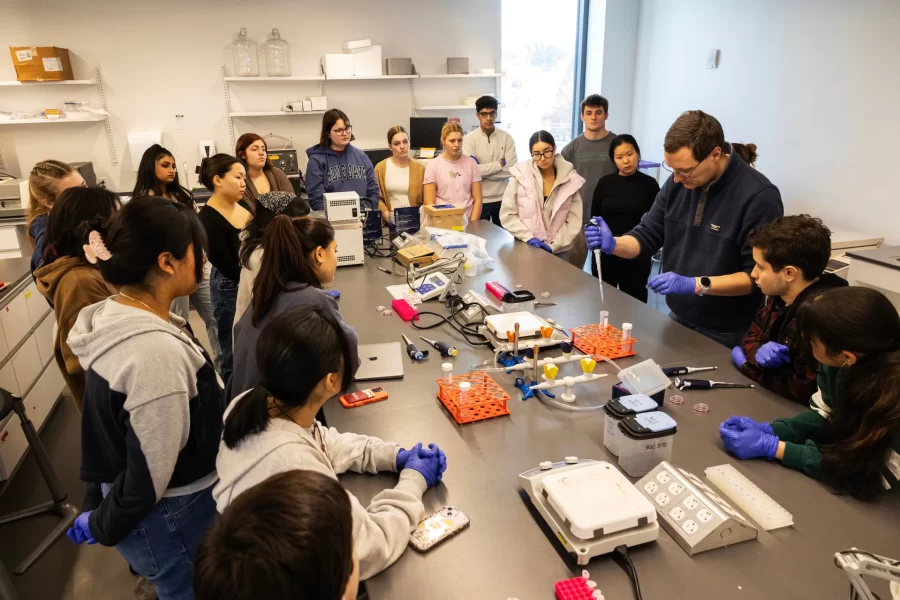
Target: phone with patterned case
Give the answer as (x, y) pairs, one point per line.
(438, 527)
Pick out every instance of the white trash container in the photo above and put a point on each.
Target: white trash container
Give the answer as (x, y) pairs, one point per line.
(645, 440)
(621, 408)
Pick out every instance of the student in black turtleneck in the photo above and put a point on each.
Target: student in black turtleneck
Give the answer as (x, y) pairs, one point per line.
(621, 199)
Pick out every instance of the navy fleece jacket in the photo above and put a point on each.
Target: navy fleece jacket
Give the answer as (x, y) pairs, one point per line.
(709, 238)
(347, 171)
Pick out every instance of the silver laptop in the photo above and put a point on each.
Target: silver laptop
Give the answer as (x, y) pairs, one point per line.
(380, 361)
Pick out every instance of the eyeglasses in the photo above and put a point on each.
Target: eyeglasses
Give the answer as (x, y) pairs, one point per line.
(488, 114)
(548, 153)
(681, 173)
(342, 130)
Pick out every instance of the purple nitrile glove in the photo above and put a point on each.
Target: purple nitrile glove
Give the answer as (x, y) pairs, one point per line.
(502, 162)
(673, 284)
(425, 462)
(599, 236)
(475, 159)
(333, 293)
(442, 458)
(742, 423)
(536, 243)
(749, 443)
(80, 531)
(738, 357)
(772, 355)
(402, 455)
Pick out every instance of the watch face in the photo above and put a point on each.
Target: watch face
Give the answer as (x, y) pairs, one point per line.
(705, 281)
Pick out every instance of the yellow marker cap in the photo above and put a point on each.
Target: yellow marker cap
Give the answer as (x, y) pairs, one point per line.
(550, 371)
(588, 364)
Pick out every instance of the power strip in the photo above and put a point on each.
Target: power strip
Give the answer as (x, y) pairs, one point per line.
(746, 494)
(475, 314)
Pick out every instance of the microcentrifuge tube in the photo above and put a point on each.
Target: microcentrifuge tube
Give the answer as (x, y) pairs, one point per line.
(447, 368)
(585, 573)
(545, 294)
(626, 336)
(592, 584)
(604, 318)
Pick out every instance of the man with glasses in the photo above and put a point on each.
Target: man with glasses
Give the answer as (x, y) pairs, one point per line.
(495, 152)
(701, 219)
(589, 152)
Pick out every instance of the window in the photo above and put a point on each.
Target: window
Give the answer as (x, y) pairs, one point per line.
(539, 55)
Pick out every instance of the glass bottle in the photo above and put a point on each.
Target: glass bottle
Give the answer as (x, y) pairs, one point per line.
(244, 54)
(278, 56)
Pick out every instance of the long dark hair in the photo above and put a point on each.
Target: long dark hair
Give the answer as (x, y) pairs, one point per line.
(142, 230)
(328, 120)
(216, 165)
(865, 415)
(287, 244)
(295, 351)
(298, 207)
(240, 149)
(147, 181)
(75, 213)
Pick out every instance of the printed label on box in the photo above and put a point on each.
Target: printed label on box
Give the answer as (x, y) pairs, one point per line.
(23, 55)
(52, 64)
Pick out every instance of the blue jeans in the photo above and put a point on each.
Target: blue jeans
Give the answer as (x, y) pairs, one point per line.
(730, 339)
(224, 300)
(491, 212)
(162, 546)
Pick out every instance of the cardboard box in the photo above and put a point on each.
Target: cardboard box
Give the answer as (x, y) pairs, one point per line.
(317, 103)
(367, 63)
(420, 254)
(458, 66)
(336, 66)
(42, 63)
(356, 45)
(398, 66)
(307, 105)
(444, 218)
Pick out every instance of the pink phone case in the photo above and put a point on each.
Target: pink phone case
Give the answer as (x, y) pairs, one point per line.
(405, 309)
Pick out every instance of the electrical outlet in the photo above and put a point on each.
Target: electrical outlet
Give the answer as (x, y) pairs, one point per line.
(676, 488)
(704, 515)
(691, 502)
(663, 477)
(101, 182)
(651, 487)
(690, 527)
(662, 499)
(677, 513)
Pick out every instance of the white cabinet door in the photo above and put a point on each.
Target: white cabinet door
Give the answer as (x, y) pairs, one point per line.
(15, 320)
(12, 446)
(37, 304)
(45, 338)
(27, 364)
(8, 379)
(44, 394)
(4, 348)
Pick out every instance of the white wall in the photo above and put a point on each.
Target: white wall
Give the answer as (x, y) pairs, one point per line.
(814, 83)
(164, 58)
(612, 53)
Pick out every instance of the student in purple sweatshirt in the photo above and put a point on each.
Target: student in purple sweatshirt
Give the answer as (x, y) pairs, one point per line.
(336, 166)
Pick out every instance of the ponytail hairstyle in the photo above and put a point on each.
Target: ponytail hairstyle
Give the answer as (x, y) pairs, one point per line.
(217, 165)
(865, 414)
(42, 186)
(142, 230)
(287, 247)
(269, 206)
(75, 213)
(295, 351)
(147, 182)
(747, 152)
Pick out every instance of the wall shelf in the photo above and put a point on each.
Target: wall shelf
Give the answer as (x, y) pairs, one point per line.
(370, 77)
(97, 119)
(462, 76)
(451, 107)
(275, 113)
(40, 83)
(275, 79)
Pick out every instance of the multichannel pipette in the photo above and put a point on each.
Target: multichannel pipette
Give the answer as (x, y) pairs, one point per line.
(413, 352)
(706, 384)
(444, 348)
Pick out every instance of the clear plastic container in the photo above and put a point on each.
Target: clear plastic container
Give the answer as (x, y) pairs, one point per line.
(645, 440)
(278, 56)
(644, 378)
(244, 54)
(619, 409)
(465, 399)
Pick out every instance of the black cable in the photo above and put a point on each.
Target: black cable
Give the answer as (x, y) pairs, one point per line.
(620, 555)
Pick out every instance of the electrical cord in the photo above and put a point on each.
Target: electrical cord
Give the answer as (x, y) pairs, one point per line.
(620, 555)
(456, 305)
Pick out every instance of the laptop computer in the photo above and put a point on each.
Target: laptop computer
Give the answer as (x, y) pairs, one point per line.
(380, 361)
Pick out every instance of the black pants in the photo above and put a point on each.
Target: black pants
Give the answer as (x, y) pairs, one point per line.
(491, 212)
(629, 275)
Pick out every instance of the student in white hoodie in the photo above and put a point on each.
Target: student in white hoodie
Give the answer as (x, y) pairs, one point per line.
(542, 204)
(303, 356)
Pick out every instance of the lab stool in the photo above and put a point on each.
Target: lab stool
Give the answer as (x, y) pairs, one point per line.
(58, 505)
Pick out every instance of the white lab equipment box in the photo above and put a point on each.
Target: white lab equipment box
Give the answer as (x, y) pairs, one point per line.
(367, 63)
(337, 66)
(45, 338)
(27, 364)
(349, 239)
(645, 440)
(341, 206)
(15, 320)
(619, 409)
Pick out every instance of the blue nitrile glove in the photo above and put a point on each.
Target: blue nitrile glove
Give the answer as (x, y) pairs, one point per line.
(738, 357)
(674, 284)
(333, 293)
(442, 458)
(742, 423)
(536, 243)
(772, 355)
(502, 162)
(425, 462)
(80, 532)
(401, 458)
(749, 443)
(599, 236)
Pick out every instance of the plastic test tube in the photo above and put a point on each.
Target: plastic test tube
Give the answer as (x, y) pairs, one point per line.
(447, 368)
(464, 399)
(626, 335)
(604, 318)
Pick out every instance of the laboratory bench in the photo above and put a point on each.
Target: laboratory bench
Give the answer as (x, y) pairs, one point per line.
(508, 551)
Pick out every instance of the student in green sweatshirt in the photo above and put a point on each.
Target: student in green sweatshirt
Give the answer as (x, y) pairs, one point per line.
(850, 437)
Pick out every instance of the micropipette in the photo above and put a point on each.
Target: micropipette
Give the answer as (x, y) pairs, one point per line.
(413, 352)
(443, 347)
(706, 384)
(597, 262)
(672, 371)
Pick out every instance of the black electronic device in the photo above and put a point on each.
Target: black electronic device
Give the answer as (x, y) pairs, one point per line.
(377, 155)
(86, 170)
(285, 159)
(425, 132)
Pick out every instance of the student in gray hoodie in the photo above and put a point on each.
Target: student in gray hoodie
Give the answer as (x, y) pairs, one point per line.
(304, 356)
(298, 258)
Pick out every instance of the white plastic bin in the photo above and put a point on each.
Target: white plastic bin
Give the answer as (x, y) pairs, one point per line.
(645, 440)
(618, 409)
(644, 378)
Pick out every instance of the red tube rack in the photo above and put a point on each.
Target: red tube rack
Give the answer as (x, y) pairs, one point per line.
(598, 341)
(488, 400)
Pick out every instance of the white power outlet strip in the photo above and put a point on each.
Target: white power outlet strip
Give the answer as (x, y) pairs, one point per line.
(746, 494)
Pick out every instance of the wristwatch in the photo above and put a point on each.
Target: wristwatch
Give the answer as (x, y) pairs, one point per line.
(705, 283)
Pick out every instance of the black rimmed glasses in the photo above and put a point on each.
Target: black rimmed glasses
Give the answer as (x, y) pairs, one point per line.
(548, 153)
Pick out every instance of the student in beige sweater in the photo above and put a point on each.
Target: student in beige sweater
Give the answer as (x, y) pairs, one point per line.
(302, 356)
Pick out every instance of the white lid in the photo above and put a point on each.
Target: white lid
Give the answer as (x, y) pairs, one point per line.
(447, 366)
(465, 386)
(627, 326)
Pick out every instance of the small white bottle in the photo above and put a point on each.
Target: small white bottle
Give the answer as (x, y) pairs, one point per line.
(626, 336)
(447, 368)
(464, 399)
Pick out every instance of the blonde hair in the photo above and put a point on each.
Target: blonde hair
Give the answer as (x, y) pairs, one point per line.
(448, 128)
(394, 131)
(42, 187)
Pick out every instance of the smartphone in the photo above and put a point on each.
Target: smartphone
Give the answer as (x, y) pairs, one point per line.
(438, 527)
(363, 397)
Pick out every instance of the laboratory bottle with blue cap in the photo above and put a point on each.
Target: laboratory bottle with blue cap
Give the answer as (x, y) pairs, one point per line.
(244, 54)
(278, 56)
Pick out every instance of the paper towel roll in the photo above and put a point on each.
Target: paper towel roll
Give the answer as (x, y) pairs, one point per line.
(138, 142)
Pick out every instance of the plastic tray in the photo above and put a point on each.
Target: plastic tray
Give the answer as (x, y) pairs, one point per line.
(573, 589)
(488, 400)
(600, 341)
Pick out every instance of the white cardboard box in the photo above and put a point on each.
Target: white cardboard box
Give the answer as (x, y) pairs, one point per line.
(357, 45)
(307, 105)
(367, 63)
(338, 65)
(318, 103)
